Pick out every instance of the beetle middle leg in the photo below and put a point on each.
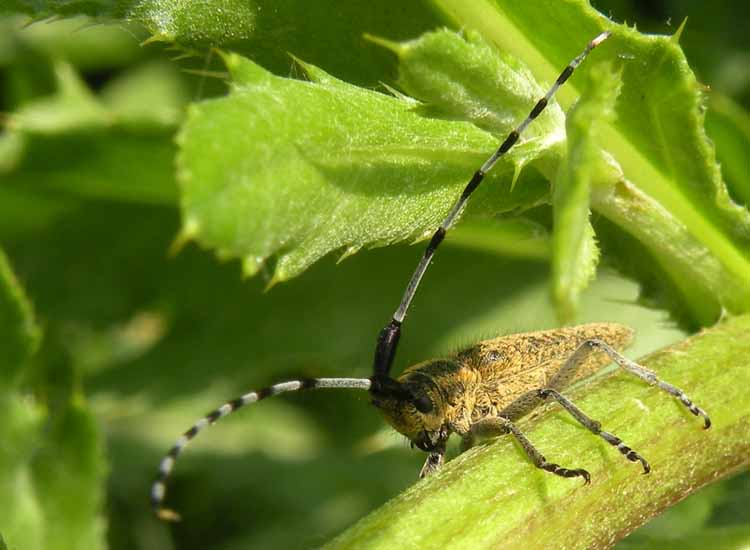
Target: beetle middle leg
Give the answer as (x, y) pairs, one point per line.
(530, 400)
(492, 427)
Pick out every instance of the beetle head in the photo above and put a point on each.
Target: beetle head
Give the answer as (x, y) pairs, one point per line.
(415, 407)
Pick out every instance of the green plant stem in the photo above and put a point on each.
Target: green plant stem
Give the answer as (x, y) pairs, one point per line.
(493, 497)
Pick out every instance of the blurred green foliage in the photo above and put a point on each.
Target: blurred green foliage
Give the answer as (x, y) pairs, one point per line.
(137, 342)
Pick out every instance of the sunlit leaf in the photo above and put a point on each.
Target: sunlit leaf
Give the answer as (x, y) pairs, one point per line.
(303, 168)
(672, 198)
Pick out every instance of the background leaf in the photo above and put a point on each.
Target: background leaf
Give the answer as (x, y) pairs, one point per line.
(51, 457)
(728, 125)
(667, 157)
(662, 184)
(575, 252)
(21, 335)
(353, 168)
(328, 33)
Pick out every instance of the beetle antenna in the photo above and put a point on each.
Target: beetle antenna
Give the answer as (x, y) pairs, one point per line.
(159, 487)
(388, 338)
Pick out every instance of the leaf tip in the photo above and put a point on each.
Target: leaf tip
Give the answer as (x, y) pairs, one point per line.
(272, 282)
(158, 37)
(231, 60)
(398, 95)
(678, 33)
(251, 265)
(188, 232)
(297, 60)
(350, 251)
(395, 47)
(517, 168)
(243, 70)
(177, 245)
(312, 73)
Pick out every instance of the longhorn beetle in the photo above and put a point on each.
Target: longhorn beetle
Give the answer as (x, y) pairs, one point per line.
(481, 391)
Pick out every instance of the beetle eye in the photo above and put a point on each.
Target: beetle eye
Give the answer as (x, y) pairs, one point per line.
(423, 404)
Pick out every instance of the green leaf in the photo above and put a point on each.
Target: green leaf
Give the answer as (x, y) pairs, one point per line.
(728, 126)
(85, 43)
(21, 432)
(114, 145)
(327, 32)
(493, 497)
(464, 78)
(303, 168)
(200, 22)
(51, 464)
(353, 169)
(52, 470)
(19, 335)
(72, 107)
(52, 473)
(575, 253)
(66, 139)
(699, 237)
(68, 472)
(19, 340)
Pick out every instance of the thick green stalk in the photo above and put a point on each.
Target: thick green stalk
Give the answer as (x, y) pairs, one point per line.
(493, 497)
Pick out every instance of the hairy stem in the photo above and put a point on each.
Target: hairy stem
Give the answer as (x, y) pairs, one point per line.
(493, 497)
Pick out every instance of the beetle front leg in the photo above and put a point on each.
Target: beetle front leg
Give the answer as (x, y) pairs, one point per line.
(433, 463)
(492, 427)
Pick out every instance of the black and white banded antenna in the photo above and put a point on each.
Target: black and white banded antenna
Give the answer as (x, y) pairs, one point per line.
(381, 382)
(159, 486)
(385, 351)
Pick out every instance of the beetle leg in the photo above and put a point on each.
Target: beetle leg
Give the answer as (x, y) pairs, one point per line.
(489, 427)
(433, 463)
(594, 427)
(568, 370)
